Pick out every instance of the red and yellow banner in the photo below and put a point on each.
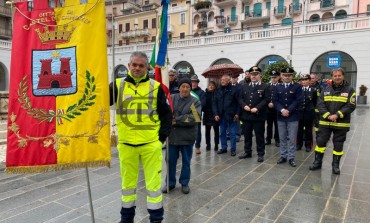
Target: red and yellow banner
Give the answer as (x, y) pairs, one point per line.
(58, 98)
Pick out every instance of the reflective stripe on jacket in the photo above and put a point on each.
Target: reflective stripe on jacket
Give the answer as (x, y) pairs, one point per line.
(136, 112)
(339, 100)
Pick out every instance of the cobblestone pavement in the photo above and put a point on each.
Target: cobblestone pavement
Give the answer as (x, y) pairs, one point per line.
(223, 189)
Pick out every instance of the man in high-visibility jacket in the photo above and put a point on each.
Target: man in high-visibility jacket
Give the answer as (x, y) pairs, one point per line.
(143, 119)
(336, 103)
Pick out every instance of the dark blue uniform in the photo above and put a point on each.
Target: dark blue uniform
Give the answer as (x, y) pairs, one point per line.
(257, 96)
(272, 121)
(307, 116)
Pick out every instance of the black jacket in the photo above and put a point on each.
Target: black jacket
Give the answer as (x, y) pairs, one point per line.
(201, 94)
(308, 105)
(163, 109)
(226, 104)
(255, 97)
(340, 100)
(208, 116)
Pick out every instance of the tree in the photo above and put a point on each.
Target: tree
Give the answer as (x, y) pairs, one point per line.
(277, 66)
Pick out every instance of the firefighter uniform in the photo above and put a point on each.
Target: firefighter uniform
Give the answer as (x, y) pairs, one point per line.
(255, 95)
(144, 121)
(339, 100)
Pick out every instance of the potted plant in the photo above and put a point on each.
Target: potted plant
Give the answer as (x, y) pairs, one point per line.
(362, 98)
(202, 5)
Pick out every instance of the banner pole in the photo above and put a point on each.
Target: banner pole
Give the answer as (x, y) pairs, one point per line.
(168, 167)
(90, 198)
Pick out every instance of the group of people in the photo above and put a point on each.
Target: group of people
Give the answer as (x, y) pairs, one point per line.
(289, 110)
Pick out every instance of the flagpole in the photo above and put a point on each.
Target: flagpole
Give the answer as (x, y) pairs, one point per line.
(90, 198)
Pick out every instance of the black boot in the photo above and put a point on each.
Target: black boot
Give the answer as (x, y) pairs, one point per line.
(335, 164)
(318, 161)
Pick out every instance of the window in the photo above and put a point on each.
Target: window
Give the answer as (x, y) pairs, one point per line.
(145, 39)
(146, 2)
(145, 24)
(182, 35)
(153, 38)
(127, 27)
(169, 36)
(127, 42)
(368, 10)
(154, 23)
(182, 18)
(222, 12)
(120, 42)
(174, 5)
(119, 28)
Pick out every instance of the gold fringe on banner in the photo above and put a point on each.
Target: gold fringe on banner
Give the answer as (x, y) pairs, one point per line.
(113, 139)
(55, 167)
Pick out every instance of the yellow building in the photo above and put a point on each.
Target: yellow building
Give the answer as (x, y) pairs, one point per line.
(179, 19)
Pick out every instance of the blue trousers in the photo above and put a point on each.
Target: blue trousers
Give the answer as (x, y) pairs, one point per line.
(231, 125)
(186, 155)
(288, 130)
(199, 136)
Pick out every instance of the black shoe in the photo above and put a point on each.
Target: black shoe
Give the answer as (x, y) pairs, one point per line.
(308, 148)
(260, 159)
(164, 190)
(221, 151)
(299, 147)
(335, 164)
(268, 142)
(277, 144)
(281, 160)
(185, 189)
(233, 154)
(216, 148)
(318, 161)
(208, 147)
(292, 163)
(159, 221)
(245, 155)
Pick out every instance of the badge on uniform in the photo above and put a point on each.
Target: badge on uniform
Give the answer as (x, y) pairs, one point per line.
(344, 94)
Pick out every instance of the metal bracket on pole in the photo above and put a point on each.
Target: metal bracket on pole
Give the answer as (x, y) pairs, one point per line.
(90, 198)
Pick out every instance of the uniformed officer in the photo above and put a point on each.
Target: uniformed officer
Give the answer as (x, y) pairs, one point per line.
(253, 100)
(336, 103)
(307, 114)
(287, 99)
(271, 112)
(317, 84)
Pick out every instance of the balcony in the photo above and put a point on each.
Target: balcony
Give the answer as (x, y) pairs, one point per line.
(232, 20)
(254, 16)
(202, 25)
(130, 10)
(247, 2)
(151, 6)
(280, 11)
(6, 33)
(220, 21)
(297, 9)
(327, 5)
(223, 3)
(135, 33)
(5, 11)
(203, 6)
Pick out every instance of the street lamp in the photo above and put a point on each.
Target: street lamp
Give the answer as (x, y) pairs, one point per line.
(291, 33)
(136, 33)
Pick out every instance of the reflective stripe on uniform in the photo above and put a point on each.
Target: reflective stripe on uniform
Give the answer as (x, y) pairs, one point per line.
(154, 199)
(326, 115)
(335, 99)
(341, 115)
(316, 129)
(320, 149)
(154, 206)
(335, 124)
(128, 204)
(128, 192)
(338, 153)
(128, 198)
(316, 110)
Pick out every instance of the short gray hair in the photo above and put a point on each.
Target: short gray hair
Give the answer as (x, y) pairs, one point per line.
(140, 54)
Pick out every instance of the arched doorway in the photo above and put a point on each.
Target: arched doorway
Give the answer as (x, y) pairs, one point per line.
(327, 16)
(315, 18)
(3, 79)
(267, 60)
(341, 14)
(324, 64)
(120, 71)
(55, 84)
(184, 69)
(222, 61)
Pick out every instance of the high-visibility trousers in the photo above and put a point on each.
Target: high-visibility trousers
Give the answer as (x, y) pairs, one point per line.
(339, 137)
(151, 158)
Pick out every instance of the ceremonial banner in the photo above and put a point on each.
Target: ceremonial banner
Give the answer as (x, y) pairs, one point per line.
(58, 99)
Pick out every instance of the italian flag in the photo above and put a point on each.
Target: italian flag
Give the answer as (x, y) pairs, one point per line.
(58, 99)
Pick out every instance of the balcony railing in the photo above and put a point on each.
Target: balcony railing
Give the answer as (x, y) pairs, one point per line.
(297, 9)
(257, 15)
(135, 33)
(280, 11)
(220, 21)
(327, 4)
(202, 25)
(232, 19)
(5, 11)
(222, 3)
(7, 33)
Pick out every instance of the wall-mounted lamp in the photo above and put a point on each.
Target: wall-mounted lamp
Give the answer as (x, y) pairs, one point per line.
(222, 51)
(182, 54)
(333, 42)
(272, 47)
